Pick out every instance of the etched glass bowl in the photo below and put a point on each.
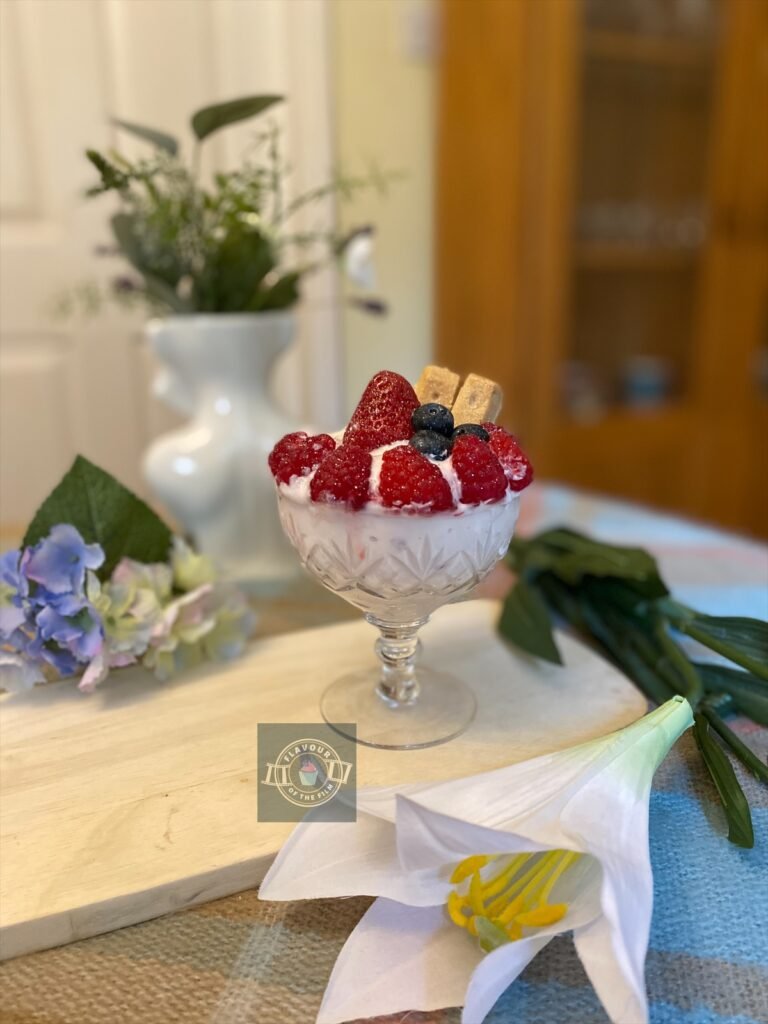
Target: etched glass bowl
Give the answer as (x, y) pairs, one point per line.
(398, 568)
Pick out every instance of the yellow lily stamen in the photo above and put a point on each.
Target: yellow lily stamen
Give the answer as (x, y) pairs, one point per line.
(567, 860)
(500, 882)
(512, 910)
(456, 905)
(512, 899)
(468, 867)
(547, 913)
(476, 894)
(518, 885)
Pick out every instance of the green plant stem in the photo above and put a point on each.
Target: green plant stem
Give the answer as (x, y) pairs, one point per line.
(637, 667)
(694, 689)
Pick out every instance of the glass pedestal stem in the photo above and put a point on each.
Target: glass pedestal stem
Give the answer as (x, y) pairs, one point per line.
(397, 648)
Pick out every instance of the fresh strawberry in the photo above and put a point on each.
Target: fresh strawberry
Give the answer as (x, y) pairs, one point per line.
(383, 414)
(408, 479)
(343, 476)
(515, 463)
(478, 470)
(297, 455)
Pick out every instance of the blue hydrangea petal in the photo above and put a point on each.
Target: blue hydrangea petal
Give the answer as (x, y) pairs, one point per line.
(83, 636)
(58, 562)
(10, 572)
(11, 618)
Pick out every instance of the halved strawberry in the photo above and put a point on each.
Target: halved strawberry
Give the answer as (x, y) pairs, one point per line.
(383, 414)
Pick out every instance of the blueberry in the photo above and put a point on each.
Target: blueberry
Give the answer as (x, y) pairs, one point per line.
(472, 428)
(435, 446)
(433, 416)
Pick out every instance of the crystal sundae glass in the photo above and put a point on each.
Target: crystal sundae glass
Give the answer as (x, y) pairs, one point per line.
(398, 568)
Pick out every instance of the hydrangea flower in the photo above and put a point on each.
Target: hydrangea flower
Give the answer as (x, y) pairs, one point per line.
(210, 622)
(47, 619)
(234, 622)
(58, 618)
(130, 606)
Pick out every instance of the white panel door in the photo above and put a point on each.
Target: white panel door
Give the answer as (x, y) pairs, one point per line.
(65, 66)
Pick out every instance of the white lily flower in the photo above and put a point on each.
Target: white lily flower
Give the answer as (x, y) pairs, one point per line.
(476, 875)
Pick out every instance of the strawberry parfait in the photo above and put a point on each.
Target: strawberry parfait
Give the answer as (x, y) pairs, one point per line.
(404, 507)
(410, 506)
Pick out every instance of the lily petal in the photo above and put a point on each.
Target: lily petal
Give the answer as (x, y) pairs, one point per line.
(495, 973)
(323, 859)
(613, 977)
(558, 801)
(421, 961)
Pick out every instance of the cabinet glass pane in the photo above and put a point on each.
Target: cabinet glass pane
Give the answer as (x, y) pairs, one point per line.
(640, 216)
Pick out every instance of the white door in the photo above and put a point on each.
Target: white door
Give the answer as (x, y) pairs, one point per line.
(65, 67)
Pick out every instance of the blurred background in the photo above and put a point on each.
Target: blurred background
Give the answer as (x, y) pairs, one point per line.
(582, 215)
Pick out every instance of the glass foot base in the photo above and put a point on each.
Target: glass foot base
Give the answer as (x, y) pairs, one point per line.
(443, 709)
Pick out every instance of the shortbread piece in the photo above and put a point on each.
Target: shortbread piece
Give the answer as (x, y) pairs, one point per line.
(436, 384)
(478, 401)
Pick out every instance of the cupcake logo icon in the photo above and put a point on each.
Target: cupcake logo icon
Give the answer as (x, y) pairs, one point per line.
(307, 773)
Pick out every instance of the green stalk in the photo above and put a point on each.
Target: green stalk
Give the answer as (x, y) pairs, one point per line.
(694, 688)
(629, 660)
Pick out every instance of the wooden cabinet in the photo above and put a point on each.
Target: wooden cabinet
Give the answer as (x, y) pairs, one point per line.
(602, 239)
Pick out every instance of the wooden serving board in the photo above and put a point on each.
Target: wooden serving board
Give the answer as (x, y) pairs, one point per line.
(141, 799)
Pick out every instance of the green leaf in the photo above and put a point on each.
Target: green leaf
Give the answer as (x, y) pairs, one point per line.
(741, 640)
(581, 556)
(234, 271)
(525, 622)
(105, 513)
(111, 177)
(219, 115)
(160, 139)
(730, 792)
(747, 756)
(571, 556)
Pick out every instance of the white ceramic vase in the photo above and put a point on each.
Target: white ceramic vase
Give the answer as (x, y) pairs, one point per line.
(212, 473)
